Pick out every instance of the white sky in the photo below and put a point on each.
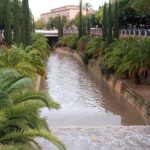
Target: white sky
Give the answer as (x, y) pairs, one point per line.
(41, 6)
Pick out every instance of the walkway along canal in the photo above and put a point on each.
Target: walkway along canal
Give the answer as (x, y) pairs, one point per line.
(91, 112)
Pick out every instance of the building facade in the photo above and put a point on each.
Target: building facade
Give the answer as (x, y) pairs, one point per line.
(69, 11)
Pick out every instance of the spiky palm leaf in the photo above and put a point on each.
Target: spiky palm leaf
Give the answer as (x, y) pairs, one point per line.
(26, 63)
(19, 108)
(32, 134)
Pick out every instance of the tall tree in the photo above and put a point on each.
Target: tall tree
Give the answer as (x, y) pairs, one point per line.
(1, 19)
(80, 20)
(87, 6)
(84, 25)
(58, 22)
(104, 22)
(39, 24)
(109, 33)
(7, 22)
(16, 26)
(116, 21)
(33, 25)
(143, 6)
(26, 22)
(88, 25)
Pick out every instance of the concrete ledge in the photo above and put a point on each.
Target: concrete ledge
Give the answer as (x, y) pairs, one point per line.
(102, 138)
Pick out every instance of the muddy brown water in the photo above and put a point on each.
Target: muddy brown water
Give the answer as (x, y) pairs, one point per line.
(85, 101)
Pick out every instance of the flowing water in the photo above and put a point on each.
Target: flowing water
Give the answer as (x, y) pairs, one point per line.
(86, 103)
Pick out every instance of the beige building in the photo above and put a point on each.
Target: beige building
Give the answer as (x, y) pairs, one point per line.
(69, 11)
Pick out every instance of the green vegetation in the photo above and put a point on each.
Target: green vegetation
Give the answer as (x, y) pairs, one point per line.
(16, 25)
(87, 6)
(7, 22)
(127, 58)
(39, 24)
(116, 21)
(104, 26)
(20, 123)
(26, 23)
(130, 58)
(15, 17)
(109, 16)
(58, 22)
(39, 45)
(80, 26)
(141, 6)
(93, 49)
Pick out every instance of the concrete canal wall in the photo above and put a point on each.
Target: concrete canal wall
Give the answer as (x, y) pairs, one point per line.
(121, 87)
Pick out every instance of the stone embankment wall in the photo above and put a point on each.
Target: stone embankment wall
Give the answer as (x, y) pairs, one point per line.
(128, 94)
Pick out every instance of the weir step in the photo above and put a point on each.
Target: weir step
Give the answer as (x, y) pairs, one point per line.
(101, 138)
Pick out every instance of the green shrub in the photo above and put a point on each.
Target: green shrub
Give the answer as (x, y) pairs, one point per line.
(82, 43)
(63, 41)
(95, 47)
(105, 69)
(85, 58)
(129, 56)
(73, 41)
(39, 43)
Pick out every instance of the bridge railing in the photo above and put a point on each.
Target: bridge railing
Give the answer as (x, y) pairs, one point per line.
(123, 32)
(135, 32)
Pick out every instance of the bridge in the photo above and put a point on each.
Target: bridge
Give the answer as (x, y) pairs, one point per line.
(48, 33)
(98, 32)
(51, 35)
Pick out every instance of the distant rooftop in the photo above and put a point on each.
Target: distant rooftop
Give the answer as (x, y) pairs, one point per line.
(62, 7)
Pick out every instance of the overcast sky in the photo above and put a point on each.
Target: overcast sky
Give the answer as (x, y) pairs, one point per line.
(42, 6)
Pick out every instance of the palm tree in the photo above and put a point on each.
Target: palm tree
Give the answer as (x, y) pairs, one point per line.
(87, 7)
(130, 57)
(19, 107)
(138, 60)
(26, 62)
(39, 43)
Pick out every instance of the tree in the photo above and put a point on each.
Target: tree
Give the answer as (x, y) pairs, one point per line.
(1, 18)
(16, 26)
(93, 20)
(104, 22)
(39, 24)
(59, 22)
(109, 33)
(116, 21)
(26, 23)
(27, 63)
(50, 24)
(80, 26)
(87, 6)
(39, 43)
(99, 16)
(20, 122)
(33, 25)
(141, 5)
(130, 58)
(7, 22)
(84, 24)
